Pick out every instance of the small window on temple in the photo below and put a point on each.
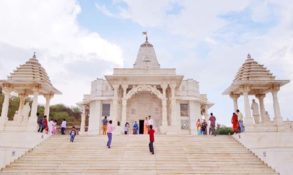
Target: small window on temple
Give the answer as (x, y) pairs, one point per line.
(106, 110)
(184, 110)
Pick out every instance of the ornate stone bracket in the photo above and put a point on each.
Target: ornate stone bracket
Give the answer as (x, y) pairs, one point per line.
(141, 88)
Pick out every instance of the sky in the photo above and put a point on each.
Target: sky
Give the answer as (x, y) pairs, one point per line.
(77, 41)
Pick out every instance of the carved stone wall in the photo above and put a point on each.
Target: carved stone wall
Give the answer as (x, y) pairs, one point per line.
(144, 104)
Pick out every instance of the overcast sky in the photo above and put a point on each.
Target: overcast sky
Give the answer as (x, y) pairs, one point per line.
(207, 40)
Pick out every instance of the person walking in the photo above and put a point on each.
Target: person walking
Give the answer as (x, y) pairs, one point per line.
(240, 120)
(235, 123)
(40, 123)
(45, 124)
(126, 128)
(63, 126)
(72, 134)
(104, 127)
(198, 126)
(110, 129)
(135, 127)
(212, 129)
(50, 127)
(204, 127)
(54, 128)
(152, 139)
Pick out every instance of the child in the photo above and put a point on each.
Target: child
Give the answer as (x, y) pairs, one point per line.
(135, 127)
(126, 127)
(72, 134)
(152, 139)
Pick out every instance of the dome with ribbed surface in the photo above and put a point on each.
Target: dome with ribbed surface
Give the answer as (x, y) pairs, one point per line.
(255, 77)
(32, 72)
(251, 70)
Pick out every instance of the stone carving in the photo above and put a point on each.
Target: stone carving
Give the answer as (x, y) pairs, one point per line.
(25, 112)
(255, 111)
(142, 88)
(266, 118)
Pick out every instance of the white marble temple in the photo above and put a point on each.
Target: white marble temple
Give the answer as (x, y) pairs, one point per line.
(131, 94)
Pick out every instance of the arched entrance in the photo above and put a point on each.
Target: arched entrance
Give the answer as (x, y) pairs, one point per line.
(142, 101)
(142, 105)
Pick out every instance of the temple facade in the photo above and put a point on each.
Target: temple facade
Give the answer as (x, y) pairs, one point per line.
(131, 94)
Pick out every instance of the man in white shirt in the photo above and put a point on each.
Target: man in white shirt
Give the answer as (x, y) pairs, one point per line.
(150, 122)
(240, 120)
(63, 127)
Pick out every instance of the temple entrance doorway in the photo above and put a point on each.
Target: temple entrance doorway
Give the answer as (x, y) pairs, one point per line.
(142, 105)
(141, 126)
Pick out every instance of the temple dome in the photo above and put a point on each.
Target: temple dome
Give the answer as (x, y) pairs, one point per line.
(255, 76)
(32, 72)
(252, 71)
(146, 57)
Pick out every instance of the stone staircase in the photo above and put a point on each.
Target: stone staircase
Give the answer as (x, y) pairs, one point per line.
(130, 155)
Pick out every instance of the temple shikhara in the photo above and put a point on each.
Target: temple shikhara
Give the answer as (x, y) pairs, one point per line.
(29, 79)
(131, 94)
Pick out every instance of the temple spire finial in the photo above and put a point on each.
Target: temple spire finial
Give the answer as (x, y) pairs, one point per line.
(248, 56)
(34, 56)
(146, 36)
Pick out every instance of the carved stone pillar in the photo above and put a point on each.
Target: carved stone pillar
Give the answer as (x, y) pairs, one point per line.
(260, 98)
(164, 106)
(278, 117)
(235, 101)
(194, 112)
(124, 105)
(206, 113)
(21, 102)
(18, 117)
(48, 97)
(124, 108)
(5, 105)
(247, 119)
(33, 117)
(114, 107)
(95, 117)
(174, 121)
(82, 123)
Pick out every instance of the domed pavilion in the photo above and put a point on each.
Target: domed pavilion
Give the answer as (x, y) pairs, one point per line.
(28, 79)
(253, 79)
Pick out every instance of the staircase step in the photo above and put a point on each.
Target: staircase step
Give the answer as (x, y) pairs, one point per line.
(130, 155)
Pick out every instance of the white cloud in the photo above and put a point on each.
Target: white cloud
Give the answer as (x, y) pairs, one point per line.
(51, 29)
(262, 28)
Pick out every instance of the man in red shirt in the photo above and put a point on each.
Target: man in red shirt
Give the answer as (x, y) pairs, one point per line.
(152, 139)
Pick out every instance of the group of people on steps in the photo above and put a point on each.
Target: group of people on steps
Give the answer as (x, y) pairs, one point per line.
(108, 128)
